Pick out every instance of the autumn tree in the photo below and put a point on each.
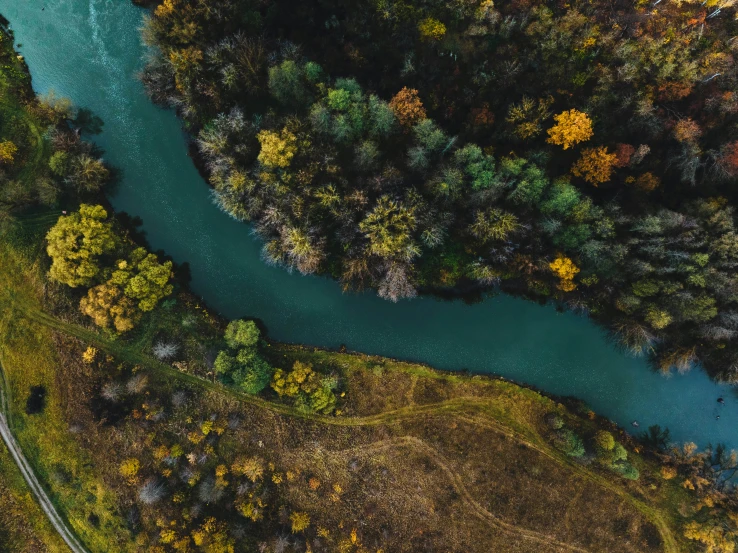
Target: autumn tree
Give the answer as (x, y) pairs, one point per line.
(564, 268)
(7, 152)
(595, 165)
(527, 116)
(108, 307)
(493, 224)
(135, 287)
(408, 107)
(143, 279)
(277, 149)
(572, 127)
(77, 242)
(431, 29)
(310, 389)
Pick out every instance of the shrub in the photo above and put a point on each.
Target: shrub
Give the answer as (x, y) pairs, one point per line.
(604, 441)
(626, 470)
(152, 491)
(300, 521)
(554, 421)
(571, 444)
(129, 468)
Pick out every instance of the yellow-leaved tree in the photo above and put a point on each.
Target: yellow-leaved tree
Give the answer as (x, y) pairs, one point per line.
(595, 165)
(571, 127)
(564, 268)
(277, 149)
(7, 152)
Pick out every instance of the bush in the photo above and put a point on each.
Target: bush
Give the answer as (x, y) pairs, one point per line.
(571, 444)
(152, 491)
(129, 468)
(554, 421)
(300, 521)
(604, 441)
(626, 470)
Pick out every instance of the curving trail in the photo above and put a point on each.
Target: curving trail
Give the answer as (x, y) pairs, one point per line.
(469, 409)
(458, 485)
(41, 497)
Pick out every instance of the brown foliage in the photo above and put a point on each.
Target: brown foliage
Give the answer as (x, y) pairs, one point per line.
(623, 153)
(408, 107)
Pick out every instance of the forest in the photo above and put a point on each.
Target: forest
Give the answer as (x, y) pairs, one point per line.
(579, 152)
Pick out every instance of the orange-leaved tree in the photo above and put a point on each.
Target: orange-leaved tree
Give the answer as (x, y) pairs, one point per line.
(408, 107)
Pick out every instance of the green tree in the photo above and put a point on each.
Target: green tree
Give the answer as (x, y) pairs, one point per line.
(286, 83)
(241, 363)
(242, 334)
(143, 279)
(60, 163)
(77, 242)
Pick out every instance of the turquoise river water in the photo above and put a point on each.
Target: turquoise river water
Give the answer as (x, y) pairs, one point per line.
(90, 51)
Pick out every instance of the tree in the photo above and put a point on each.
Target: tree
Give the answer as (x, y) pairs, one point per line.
(408, 107)
(431, 29)
(7, 152)
(60, 163)
(143, 279)
(564, 268)
(300, 521)
(571, 127)
(76, 243)
(656, 437)
(108, 306)
(308, 387)
(242, 334)
(277, 149)
(604, 441)
(493, 224)
(528, 116)
(571, 444)
(241, 363)
(595, 165)
(88, 174)
(286, 83)
(687, 130)
(388, 227)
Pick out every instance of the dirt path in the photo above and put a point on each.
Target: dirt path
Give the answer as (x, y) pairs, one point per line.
(469, 409)
(43, 500)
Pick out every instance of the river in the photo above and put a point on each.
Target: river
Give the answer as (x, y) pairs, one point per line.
(90, 51)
